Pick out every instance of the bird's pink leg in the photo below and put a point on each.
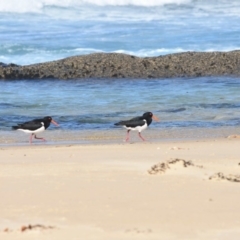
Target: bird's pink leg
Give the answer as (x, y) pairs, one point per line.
(43, 139)
(30, 140)
(139, 134)
(127, 137)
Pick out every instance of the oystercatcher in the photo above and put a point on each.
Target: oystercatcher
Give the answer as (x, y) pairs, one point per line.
(35, 126)
(138, 123)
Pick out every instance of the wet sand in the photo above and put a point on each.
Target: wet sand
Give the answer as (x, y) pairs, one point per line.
(116, 136)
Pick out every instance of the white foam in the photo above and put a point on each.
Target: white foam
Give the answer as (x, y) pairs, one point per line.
(38, 56)
(25, 6)
(145, 3)
(59, 8)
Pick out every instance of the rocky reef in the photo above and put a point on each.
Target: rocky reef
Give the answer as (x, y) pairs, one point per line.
(116, 65)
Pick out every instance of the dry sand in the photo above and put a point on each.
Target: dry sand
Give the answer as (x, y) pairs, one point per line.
(161, 190)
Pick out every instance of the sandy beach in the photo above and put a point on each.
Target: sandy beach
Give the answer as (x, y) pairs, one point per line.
(142, 190)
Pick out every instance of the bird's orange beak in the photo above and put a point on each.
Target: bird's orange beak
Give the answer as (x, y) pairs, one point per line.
(155, 118)
(55, 123)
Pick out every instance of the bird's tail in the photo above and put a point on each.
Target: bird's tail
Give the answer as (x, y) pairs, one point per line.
(119, 123)
(15, 127)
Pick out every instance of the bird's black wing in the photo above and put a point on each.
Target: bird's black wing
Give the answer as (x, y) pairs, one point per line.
(134, 122)
(32, 125)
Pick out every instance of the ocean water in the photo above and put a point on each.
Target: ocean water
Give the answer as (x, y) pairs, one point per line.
(34, 31)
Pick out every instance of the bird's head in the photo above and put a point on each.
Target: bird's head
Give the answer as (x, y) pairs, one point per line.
(150, 115)
(50, 120)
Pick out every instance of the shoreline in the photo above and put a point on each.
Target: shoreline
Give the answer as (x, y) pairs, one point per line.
(117, 136)
(159, 190)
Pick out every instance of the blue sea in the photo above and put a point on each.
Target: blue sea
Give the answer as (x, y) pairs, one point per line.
(35, 31)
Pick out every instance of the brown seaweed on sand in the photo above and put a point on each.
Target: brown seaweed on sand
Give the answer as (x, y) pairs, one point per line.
(221, 176)
(36, 226)
(163, 166)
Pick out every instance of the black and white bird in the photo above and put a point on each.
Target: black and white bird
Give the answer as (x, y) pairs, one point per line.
(35, 126)
(138, 124)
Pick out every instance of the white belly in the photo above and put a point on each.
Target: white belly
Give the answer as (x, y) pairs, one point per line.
(138, 128)
(41, 129)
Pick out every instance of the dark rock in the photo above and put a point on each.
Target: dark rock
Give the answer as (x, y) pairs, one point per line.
(115, 65)
(8, 65)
